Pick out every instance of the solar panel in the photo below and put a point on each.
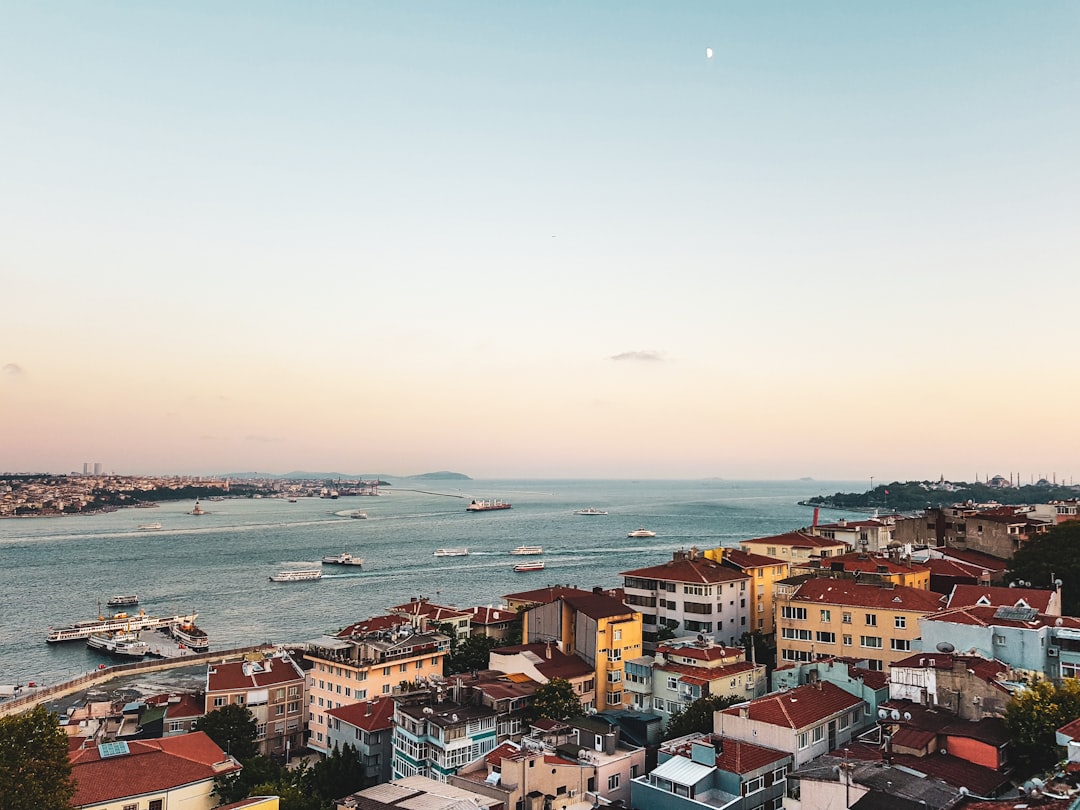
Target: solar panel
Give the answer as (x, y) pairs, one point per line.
(113, 749)
(1016, 614)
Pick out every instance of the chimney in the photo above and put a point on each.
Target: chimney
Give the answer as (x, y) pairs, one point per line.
(547, 653)
(817, 512)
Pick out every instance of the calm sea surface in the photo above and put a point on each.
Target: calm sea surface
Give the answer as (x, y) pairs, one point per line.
(58, 570)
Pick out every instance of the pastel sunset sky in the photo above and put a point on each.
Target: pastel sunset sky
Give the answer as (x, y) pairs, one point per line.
(547, 239)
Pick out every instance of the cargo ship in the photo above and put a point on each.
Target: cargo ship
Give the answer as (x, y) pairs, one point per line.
(486, 506)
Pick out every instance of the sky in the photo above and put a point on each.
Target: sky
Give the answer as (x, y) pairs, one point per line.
(548, 240)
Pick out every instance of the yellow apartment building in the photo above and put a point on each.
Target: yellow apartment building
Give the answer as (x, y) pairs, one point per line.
(795, 546)
(825, 617)
(598, 629)
(870, 568)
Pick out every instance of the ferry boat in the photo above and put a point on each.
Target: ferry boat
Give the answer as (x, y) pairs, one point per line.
(344, 558)
(192, 637)
(451, 552)
(533, 566)
(641, 533)
(119, 643)
(149, 527)
(486, 506)
(527, 551)
(121, 601)
(118, 621)
(297, 575)
(590, 511)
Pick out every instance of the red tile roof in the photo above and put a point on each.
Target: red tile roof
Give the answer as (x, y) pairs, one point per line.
(597, 605)
(251, 675)
(424, 608)
(704, 674)
(543, 596)
(857, 561)
(696, 571)
(1071, 730)
(151, 766)
(796, 540)
(800, 707)
(187, 706)
(984, 617)
(376, 624)
(987, 561)
(550, 661)
(952, 770)
(487, 615)
(370, 715)
(734, 756)
(940, 567)
(970, 595)
(849, 592)
(748, 559)
(713, 652)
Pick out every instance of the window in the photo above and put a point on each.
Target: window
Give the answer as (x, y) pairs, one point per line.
(219, 702)
(900, 622)
(613, 781)
(819, 733)
(843, 722)
(847, 641)
(804, 740)
(133, 806)
(846, 618)
(753, 785)
(403, 668)
(826, 638)
(789, 612)
(155, 804)
(870, 641)
(658, 704)
(871, 620)
(614, 655)
(826, 616)
(672, 683)
(176, 725)
(779, 775)
(795, 634)
(901, 644)
(617, 635)
(614, 698)
(614, 675)
(999, 640)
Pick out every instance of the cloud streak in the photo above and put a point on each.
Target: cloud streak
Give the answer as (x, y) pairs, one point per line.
(643, 356)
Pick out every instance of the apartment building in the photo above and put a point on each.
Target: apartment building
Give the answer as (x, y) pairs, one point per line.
(764, 573)
(543, 662)
(438, 730)
(684, 670)
(368, 727)
(872, 535)
(988, 528)
(689, 593)
(424, 614)
(795, 546)
(896, 568)
(272, 689)
(825, 617)
(361, 663)
(809, 720)
(706, 770)
(600, 630)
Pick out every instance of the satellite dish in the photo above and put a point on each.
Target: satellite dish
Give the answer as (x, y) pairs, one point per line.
(907, 715)
(708, 53)
(882, 713)
(895, 714)
(945, 647)
(1059, 621)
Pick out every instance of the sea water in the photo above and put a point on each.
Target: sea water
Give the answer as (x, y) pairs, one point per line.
(56, 571)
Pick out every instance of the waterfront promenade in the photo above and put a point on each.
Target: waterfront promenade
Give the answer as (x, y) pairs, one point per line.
(29, 700)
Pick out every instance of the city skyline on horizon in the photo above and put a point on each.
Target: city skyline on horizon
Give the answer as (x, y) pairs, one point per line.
(747, 241)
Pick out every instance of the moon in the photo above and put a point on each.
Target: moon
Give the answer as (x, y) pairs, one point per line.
(708, 53)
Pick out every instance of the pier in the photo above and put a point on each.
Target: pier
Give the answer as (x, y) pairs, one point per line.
(29, 700)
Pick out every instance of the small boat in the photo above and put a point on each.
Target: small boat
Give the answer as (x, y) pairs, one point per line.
(641, 533)
(533, 566)
(590, 511)
(344, 558)
(292, 500)
(119, 643)
(297, 575)
(527, 551)
(198, 510)
(192, 637)
(359, 515)
(451, 552)
(486, 506)
(120, 601)
(149, 527)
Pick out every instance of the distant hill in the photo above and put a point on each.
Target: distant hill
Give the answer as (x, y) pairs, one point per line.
(444, 475)
(909, 496)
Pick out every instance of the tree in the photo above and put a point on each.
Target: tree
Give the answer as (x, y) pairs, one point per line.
(233, 728)
(35, 770)
(1032, 718)
(556, 700)
(338, 775)
(237, 785)
(698, 716)
(1050, 556)
(472, 653)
